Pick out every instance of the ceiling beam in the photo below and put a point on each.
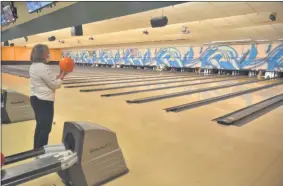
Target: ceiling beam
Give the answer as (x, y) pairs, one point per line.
(81, 13)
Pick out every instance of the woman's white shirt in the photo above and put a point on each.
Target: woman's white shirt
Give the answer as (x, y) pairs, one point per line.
(43, 82)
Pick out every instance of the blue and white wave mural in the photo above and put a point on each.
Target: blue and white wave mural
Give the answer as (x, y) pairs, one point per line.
(230, 57)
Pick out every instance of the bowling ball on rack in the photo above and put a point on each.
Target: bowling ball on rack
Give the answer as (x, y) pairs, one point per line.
(2, 159)
(67, 64)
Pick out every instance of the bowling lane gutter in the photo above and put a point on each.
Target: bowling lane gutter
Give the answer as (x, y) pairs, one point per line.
(200, 103)
(169, 87)
(142, 78)
(177, 94)
(255, 110)
(158, 83)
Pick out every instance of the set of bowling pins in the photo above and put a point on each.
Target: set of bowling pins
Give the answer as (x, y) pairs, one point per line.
(235, 73)
(271, 74)
(207, 72)
(252, 73)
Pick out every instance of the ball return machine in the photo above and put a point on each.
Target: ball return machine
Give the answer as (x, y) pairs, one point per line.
(89, 156)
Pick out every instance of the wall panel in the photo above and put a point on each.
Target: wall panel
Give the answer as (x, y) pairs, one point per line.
(7, 53)
(230, 57)
(22, 54)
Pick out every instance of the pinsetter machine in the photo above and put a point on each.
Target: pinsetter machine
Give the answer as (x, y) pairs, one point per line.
(89, 155)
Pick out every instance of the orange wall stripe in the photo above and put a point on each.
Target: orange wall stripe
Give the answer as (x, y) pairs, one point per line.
(7, 54)
(23, 54)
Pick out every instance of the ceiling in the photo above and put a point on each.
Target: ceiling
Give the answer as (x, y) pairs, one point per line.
(206, 22)
(24, 16)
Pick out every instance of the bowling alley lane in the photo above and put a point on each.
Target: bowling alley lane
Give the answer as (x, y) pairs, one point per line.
(185, 98)
(198, 146)
(127, 82)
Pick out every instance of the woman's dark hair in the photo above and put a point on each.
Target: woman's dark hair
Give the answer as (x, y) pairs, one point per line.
(37, 53)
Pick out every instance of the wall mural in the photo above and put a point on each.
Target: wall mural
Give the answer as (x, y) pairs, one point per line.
(232, 57)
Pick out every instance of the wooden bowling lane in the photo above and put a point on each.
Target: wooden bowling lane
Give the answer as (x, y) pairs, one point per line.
(197, 104)
(120, 70)
(167, 149)
(89, 86)
(125, 84)
(147, 83)
(121, 73)
(192, 90)
(106, 76)
(94, 74)
(136, 79)
(162, 87)
(15, 83)
(165, 103)
(249, 99)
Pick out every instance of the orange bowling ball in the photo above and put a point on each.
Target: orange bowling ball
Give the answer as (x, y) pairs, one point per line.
(67, 64)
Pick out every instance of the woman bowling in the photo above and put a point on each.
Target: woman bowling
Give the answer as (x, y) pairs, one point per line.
(43, 84)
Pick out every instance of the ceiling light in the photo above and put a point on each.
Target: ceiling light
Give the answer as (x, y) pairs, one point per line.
(262, 40)
(228, 41)
(231, 41)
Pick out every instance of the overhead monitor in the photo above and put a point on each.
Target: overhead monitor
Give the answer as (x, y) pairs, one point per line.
(3, 20)
(8, 14)
(34, 6)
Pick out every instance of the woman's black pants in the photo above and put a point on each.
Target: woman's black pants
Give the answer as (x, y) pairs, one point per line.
(44, 112)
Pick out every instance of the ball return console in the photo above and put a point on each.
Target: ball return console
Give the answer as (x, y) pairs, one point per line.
(90, 155)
